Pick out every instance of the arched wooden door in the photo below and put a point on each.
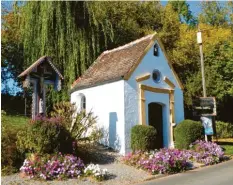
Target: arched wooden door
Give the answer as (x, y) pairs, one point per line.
(155, 118)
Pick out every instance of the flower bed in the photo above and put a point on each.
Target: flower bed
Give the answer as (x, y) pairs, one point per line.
(207, 152)
(168, 161)
(53, 167)
(60, 167)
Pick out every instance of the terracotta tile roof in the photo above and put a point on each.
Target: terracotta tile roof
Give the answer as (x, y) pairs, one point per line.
(39, 61)
(113, 64)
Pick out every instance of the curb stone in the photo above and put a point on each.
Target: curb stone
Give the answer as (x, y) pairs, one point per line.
(154, 177)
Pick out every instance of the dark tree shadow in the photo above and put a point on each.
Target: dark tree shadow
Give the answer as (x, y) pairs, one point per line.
(224, 143)
(102, 153)
(96, 153)
(111, 176)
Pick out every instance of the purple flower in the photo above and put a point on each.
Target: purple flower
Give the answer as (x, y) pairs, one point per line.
(54, 167)
(207, 152)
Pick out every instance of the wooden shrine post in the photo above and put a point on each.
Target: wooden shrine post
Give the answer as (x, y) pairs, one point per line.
(39, 74)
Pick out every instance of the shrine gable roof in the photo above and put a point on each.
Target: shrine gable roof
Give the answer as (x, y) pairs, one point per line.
(39, 62)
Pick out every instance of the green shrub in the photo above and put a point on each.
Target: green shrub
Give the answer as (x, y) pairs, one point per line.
(187, 132)
(11, 158)
(224, 129)
(45, 136)
(143, 137)
(81, 125)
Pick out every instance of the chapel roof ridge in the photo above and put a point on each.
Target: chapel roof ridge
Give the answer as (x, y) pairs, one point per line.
(130, 44)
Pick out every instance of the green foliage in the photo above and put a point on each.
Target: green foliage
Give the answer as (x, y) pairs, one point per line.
(74, 33)
(44, 136)
(81, 125)
(182, 8)
(224, 129)
(57, 28)
(11, 158)
(12, 49)
(170, 30)
(218, 42)
(187, 132)
(143, 137)
(213, 13)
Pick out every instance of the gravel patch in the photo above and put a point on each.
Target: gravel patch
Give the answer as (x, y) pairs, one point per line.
(118, 174)
(98, 154)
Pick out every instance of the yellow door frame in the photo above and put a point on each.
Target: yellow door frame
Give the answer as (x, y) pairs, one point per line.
(142, 108)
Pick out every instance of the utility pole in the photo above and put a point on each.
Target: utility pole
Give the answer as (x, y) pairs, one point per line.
(199, 41)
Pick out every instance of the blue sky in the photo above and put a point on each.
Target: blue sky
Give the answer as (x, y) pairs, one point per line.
(194, 6)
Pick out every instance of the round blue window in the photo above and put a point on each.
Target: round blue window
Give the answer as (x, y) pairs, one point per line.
(156, 75)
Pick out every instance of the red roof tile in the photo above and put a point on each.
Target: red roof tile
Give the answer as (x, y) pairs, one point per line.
(114, 64)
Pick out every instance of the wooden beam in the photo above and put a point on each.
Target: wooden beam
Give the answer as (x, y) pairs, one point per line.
(142, 107)
(172, 104)
(172, 115)
(143, 77)
(169, 82)
(155, 89)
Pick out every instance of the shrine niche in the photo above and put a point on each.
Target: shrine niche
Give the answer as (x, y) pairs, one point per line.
(40, 74)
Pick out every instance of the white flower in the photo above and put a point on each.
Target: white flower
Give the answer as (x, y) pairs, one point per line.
(97, 174)
(96, 170)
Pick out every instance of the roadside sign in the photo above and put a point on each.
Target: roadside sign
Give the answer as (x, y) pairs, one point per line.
(207, 124)
(204, 106)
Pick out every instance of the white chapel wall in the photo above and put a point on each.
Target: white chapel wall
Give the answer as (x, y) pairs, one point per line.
(107, 102)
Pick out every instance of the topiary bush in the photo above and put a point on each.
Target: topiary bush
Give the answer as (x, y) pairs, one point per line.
(45, 136)
(187, 132)
(224, 129)
(143, 137)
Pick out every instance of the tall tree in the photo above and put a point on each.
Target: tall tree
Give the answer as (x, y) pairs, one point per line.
(11, 47)
(170, 31)
(230, 13)
(213, 13)
(185, 14)
(74, 33)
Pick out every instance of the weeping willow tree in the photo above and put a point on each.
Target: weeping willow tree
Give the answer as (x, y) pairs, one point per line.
(74, 33)
(70, 32)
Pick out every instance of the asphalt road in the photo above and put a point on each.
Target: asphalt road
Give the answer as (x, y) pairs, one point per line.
(220, 174)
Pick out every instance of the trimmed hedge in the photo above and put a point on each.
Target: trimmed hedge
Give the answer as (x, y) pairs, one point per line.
(143, 137)
(224, 129)
(187, 132)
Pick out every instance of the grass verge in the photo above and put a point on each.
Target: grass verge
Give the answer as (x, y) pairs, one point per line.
(227, 144)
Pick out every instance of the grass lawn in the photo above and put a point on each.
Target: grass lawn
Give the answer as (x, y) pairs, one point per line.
(227, 144)
(15, 121)
(11, 160)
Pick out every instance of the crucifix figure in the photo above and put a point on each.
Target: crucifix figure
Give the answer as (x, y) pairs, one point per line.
(41, 107)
